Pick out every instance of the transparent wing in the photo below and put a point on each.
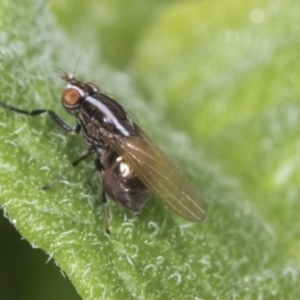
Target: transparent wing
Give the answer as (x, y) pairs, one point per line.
(161, 176)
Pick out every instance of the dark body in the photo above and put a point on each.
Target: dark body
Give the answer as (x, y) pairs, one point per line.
(131, 167)
(119, 181)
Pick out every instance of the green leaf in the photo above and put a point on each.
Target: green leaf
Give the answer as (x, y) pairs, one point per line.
(115, 25)
(216, 60)
(211, 69)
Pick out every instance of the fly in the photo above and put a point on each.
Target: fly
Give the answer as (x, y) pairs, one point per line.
(130, 166)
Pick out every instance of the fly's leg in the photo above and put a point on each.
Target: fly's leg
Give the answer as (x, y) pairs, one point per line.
(52, 114)
(105, 209)
(68, 169)
(100, 168)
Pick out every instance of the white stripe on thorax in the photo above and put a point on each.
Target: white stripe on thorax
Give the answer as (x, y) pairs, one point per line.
(108, 113)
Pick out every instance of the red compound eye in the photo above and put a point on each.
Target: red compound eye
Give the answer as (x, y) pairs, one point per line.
(71, 97)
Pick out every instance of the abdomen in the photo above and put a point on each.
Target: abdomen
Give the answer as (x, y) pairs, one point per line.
(121, 183)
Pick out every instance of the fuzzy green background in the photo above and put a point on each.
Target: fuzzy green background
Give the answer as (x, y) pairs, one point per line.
(216, 84)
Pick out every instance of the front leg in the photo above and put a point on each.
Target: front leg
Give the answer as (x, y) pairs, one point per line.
(62, 125)
(54, 117)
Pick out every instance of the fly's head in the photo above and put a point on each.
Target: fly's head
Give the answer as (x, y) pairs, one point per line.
(76, 92)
